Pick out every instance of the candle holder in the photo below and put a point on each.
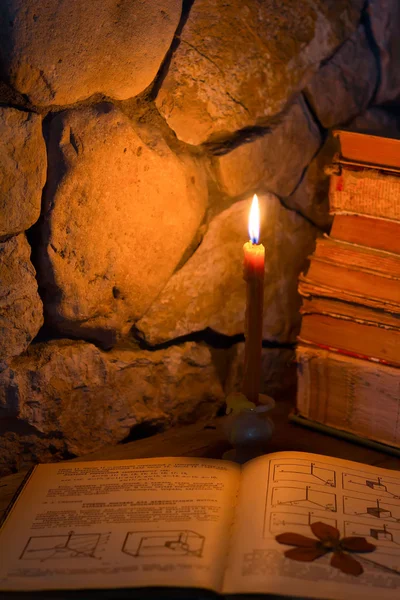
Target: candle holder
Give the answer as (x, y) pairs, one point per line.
(248, 427)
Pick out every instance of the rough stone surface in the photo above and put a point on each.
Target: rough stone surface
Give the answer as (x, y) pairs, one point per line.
(239, 62)
(10, 97)
(58, 52)
(385, 26)
(21, 313)
(209, 292)
(378, 121)
(23, 170)
(343, 87)
(311, 198)
(66, 398)
(278, 372)
(273, 162)
(118, 217)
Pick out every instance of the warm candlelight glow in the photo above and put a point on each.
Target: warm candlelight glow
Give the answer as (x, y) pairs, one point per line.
(254, 221)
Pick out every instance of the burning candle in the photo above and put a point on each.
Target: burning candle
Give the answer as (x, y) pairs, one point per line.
(253, 274)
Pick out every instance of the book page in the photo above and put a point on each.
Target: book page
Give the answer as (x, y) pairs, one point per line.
(115, 524)
(286, 492)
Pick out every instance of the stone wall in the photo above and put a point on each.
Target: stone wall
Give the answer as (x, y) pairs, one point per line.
(132, 135)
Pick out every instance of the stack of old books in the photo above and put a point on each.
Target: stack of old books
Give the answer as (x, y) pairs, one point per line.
(349, 345)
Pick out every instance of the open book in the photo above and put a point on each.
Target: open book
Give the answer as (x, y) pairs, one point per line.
(200, 523)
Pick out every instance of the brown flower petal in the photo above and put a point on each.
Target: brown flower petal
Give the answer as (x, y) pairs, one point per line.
(305, 554)
(356, 544)
(295, 539)
(346, 563)
(325, 532)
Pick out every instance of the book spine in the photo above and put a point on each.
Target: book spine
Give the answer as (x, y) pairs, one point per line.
(308, 380)
(368, 270)
(304, 386)
(380, 319)
(315, 304)
(307, 287)
(344, 352)
(358, 396)
(379, 265)
(339, 161)
(365, 192)
(356, 229)
(372, 150)
(358, 256)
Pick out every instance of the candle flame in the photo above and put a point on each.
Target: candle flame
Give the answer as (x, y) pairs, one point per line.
(254, 221)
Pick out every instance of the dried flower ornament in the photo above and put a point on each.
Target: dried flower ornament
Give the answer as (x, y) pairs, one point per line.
(328, 540)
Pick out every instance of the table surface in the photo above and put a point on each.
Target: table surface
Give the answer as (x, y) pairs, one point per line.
(207, 439)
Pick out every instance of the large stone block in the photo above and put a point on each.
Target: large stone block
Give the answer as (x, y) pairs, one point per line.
(23, 170)
(60, 52)
(66, 398)
(119, 213)
(209, 291)
(239, 62)
(378, 120)
(21, 312)
(311, 197)
(343, 87)
(385, 25)
(273, 162)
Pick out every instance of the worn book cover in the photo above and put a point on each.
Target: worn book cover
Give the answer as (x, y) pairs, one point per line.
(312, 304)
(373, 150)
(331, 289)
(356, 282)
(358, 256)
(367, 231)
(374, 341)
